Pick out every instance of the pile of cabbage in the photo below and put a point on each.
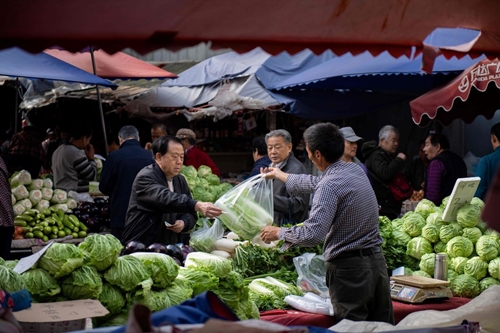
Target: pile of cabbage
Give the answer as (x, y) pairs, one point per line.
(37, 193)
(95, 270)
(472, 249)
(203, 184)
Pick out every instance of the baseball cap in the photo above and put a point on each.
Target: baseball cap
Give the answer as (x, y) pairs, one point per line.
(349, 135)
(185, 133)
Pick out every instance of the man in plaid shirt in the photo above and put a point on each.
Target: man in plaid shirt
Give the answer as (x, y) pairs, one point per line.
(344, 214)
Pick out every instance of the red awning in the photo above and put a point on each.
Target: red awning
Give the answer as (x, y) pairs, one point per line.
(274, 25)
(474, 92)
(116, 66)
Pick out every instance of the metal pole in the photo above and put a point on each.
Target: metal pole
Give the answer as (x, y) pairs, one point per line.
(101, 112)
(16, 108)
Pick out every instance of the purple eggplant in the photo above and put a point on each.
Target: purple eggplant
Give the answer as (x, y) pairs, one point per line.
(134, 246)
(92, 223)
(177, 261)
(93, 210)
(105, 211)
(84, 206)
(157, 247)
(175, 252)
(186, 249)
(100, 202)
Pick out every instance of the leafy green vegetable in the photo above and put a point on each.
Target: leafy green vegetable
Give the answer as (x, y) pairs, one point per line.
(159, 300)
(472, 233)
(102, 250)
(459, 247)
(232, 289)
(477, 202)
(189, 172)
(199, 281)
(127, 272)
(464, 286)
(440, 247)
(10, 280)
(468, 215)
(161, 267)
(82, 283)
(494, 268)
(487, 282)
(204, 171)
(476, 267)
(427, 263)
(451, 274)
(418, 246)
(39, 283)
(112, 298)
(61, 259)
(204, 238)
(458, 264)
(269, 293)
(413, 224)
(219, 266)
(448, 231)
(425, 207)
(395, 241)
(487, 248)
(431, 233)
(421, 273)
(246, 310)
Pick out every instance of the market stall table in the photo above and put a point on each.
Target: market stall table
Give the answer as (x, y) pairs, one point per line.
(401, 310)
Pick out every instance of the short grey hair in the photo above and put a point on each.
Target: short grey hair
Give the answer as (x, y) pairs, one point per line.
(386, 131)
(128, 132)
(280, 132)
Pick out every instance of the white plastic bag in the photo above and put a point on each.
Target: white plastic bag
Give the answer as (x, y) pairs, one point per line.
(204, 239)
(310, 303)
(311, 268)
(248, 207)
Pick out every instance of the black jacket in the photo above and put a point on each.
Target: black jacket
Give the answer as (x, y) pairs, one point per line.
(382, 167)
(286, 206)
(152, 203)
(117, 177)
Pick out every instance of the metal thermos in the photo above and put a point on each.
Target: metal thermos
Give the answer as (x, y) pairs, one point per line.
(441, 267)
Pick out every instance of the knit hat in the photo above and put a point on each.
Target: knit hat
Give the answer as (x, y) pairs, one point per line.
(185, 133)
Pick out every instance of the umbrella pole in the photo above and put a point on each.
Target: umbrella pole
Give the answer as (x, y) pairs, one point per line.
(16, 108)
(101, 112)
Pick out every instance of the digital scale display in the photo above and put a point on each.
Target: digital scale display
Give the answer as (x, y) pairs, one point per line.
(407, 292)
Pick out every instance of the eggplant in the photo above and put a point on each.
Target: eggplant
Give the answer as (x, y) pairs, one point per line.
(104, 212)
(177, 261)
(93, 224)
(134, 246)
(93, 210)
(76, 211)
(100, 202)
(186, 249)
(157, 247)
(84, 206)
(175, 252)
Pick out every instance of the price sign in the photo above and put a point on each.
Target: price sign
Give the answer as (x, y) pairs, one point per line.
(462, 193)
(26, 263)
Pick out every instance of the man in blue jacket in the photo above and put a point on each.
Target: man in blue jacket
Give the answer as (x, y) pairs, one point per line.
(488, 164)
(118, 174)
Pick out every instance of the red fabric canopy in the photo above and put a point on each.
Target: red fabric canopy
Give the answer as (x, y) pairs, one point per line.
(277, 25)
(118, 65)
(472, 93)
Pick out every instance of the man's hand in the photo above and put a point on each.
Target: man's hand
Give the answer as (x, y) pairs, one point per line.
(89, 151)
(274, 173)
(148, 146)
(208, 209)
(402, 156)
(269, 234)
(177, 227)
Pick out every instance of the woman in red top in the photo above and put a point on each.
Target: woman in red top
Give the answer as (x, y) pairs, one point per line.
(193, 155)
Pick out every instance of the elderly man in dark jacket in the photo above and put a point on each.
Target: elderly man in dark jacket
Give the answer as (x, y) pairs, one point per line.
(118, 174)
(383, 164)
(161, 206)
(288, 209)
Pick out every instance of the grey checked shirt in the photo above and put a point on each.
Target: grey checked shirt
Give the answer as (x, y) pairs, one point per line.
(344, 211)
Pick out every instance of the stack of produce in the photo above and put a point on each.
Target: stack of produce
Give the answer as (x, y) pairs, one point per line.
(203, 184)
(472, 249)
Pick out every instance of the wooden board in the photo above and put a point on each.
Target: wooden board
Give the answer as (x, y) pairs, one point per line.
(419, 281)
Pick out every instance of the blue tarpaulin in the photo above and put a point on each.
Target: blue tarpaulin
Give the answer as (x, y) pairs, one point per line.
(15, 62)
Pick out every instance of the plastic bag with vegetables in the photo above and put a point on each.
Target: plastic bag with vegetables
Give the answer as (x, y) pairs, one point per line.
(204, 238)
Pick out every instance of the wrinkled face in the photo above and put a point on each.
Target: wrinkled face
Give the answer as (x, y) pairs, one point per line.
(350, 149)
(156, 133)
(277, 149)
(390, 144)
(430, 150)
(171, 162)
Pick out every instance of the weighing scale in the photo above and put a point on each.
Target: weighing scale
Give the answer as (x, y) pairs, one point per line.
(417, 289)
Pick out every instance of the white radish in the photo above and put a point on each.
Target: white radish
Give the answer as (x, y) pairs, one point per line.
(222, 254)
(232, 235)
(227, 245)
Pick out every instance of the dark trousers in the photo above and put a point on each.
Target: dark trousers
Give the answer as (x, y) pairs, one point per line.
(6, 241)
(117, 232)
(359, 288)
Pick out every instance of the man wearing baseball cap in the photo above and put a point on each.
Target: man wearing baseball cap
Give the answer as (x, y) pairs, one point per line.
(193, 155)
(351, 146)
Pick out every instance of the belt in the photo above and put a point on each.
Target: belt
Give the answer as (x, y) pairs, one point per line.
(358, 253)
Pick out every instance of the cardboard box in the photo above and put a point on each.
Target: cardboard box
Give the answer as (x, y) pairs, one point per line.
(59, 316)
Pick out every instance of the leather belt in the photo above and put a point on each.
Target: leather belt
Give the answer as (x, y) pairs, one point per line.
(358, 253)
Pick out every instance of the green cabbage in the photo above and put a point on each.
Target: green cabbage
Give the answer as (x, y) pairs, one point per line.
(487, 248)
(477, 202)
(427, 263)
(397, 223)
(232, 289)
(162, 299)
(482, 226)
(431, 233)
(494, 268)
(82, 283)
(39, 283)
(476, 267)
(199, 281)
(418, 246)
(61, 259)
(401, 237)
(161, 267)
(408, 271)
(112, 298)
(444, 202)
(189, 172)
(472, 233)
(468, 215)
(458, 264)
(440, 247)
(448, 231)
(421, 273)
(487, 282)
(459, 246)
(269, 293)
(464, 286)
(413, 224)
(127, 272)
(425, 207)
(102, 250)
(218, 266)
(10, 280)
(213, 180)
(451, 274)
(204, 171)
(246, 310)
(436, 218)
